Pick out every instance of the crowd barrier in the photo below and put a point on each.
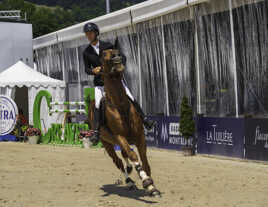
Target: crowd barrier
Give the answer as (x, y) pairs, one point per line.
(232, 137)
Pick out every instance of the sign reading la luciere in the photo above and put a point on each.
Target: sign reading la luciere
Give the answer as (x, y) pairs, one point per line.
(8, 112)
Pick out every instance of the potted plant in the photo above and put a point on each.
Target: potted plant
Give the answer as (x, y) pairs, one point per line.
(85, 136)
(33, 135)
(187, 126)
(24, 128)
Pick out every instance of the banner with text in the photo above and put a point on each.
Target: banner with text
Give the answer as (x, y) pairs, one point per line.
(169, 134)
(221, 136)
(256, 143)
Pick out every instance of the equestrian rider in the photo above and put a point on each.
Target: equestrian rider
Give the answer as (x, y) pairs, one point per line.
(92, 61)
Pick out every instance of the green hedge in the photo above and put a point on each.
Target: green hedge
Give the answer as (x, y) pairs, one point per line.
(37, 106)
(71, 135)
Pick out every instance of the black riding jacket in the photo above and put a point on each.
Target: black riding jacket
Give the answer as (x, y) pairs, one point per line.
(92, 59)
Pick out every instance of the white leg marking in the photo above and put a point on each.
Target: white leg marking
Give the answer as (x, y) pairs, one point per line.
(127, 162)
(126, 175)
(143, 174)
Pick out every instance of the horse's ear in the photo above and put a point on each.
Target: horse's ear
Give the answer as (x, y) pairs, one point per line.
(116, 43)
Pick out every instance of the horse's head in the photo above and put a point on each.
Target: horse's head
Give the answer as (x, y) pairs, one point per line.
(112, 63)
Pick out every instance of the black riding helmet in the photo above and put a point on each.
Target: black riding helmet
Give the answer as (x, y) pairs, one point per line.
(91, 27)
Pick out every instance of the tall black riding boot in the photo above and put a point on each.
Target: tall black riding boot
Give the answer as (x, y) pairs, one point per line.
(149, 124)
(96, 137)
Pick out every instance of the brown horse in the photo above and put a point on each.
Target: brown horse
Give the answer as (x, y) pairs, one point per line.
(123, 125)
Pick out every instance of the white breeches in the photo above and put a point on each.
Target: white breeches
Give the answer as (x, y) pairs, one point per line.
(99, 93)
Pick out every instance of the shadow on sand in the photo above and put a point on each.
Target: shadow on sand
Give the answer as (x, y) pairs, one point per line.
(123, 191)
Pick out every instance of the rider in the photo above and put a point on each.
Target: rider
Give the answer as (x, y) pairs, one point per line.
(92, 61)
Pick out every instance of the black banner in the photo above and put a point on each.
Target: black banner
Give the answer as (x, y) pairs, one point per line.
(256, 143)
(221, 136)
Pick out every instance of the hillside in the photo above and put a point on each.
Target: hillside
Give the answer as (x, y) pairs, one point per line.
(50, 15)
(68, 4)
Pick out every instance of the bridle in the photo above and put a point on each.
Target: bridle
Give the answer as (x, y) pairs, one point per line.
(115, 62)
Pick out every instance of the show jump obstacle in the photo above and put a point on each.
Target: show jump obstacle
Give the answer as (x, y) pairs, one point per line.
(62, 133)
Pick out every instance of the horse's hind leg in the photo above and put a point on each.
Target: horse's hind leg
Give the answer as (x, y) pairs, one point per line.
(142, 148)
(118, 162)
(129, 166)
(146, 180)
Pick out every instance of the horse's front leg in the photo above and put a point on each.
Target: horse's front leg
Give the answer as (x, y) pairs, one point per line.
(146, 180)
(129, 166)
(119, 164)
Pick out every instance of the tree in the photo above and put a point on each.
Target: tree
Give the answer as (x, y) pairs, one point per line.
(50, 15)
(44, 22)
(187, 123)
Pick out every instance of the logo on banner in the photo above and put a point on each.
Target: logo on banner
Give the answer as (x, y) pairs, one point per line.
(8, 112)
(171, 134)
(164, 133)
(261, 137)
(176, 137)
(174, 129)
(219, 137)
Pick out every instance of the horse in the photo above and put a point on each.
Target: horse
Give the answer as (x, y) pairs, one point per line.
(123, 125)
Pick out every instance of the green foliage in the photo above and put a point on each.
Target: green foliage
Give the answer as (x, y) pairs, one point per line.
(187, 124)
(71, 134)
(91, 5)
(50, 15)
(24, 128)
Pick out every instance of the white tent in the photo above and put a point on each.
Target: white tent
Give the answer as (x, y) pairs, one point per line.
(20, 80)
(21, 75)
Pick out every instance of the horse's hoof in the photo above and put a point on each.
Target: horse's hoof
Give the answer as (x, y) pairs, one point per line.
(132, 187)
(129, 169)
(118, 182)
(155, 193)
(131, 184)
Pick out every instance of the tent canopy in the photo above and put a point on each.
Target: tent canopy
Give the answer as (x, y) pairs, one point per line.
(21, 75)
(144, 11)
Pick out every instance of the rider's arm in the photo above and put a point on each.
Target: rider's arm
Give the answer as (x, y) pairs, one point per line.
(88, 65)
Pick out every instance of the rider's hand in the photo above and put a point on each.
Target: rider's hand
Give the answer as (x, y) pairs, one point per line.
(96, 70)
